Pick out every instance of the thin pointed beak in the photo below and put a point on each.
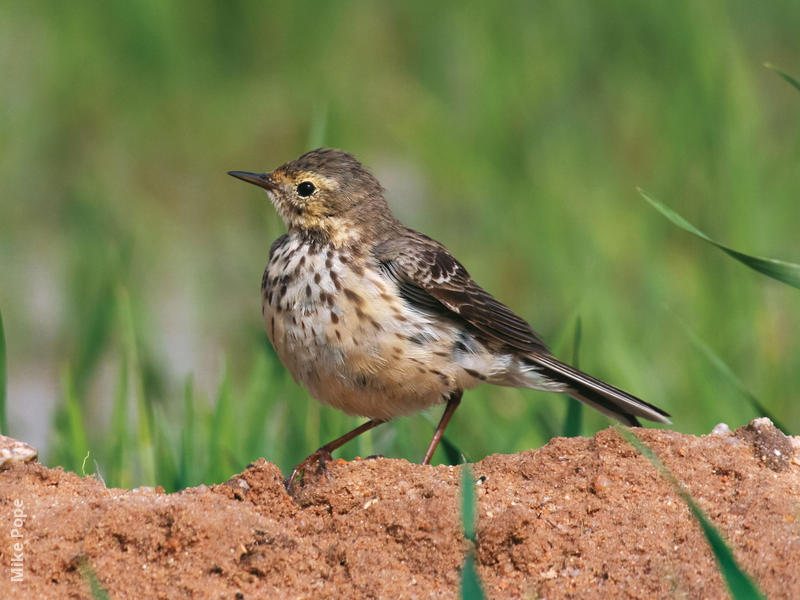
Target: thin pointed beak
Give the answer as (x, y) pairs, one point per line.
(263, 180)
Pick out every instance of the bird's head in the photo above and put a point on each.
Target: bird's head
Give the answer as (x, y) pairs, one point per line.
(325, 191)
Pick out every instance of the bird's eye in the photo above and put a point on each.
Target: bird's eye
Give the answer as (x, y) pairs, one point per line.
(305, 189)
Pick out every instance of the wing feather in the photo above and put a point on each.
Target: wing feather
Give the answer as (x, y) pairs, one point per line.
(429, 277)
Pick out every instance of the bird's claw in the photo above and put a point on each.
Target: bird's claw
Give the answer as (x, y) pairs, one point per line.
(321, 457)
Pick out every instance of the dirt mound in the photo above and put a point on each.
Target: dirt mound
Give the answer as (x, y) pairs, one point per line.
(578, 517)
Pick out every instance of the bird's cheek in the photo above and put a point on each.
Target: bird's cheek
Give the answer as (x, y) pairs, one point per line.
(282, 203)
(284, 209)
(274, 198)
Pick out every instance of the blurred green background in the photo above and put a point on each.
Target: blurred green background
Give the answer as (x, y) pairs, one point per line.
(515, 133)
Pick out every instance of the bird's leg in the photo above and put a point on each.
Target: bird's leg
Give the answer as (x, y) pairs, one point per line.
(323, 455)
(452, 405)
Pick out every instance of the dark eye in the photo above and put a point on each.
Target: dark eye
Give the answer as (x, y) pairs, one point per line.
(305, 189)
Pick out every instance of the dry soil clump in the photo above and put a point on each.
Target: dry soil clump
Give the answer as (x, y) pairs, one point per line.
(580, 517)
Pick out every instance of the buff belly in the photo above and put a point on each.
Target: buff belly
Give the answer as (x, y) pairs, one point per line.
(343, 332)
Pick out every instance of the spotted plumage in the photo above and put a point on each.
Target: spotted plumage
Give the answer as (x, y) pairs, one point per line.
(379, 320)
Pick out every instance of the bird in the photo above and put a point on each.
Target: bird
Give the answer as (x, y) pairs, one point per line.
(379, 320)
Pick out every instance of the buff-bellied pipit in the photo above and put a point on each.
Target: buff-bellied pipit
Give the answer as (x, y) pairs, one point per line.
(379, 320)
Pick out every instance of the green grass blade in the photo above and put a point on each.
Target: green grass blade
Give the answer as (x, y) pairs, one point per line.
(187, 458)
(222, 432)
(788, 273)
(576, 342)
(573, 424)
(545, 422)
(740, 585)
(167, 467)
(788, 78)
(468, 503)
(3, 379)
(365, 445)
(723, 368)
(119, 475)
(452, 452)
(256, 409)
(76, 444)
(95, 337)
(97, 590)
(470, 583)
(144, 430)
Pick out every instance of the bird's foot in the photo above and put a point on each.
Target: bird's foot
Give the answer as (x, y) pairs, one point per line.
(321, 457)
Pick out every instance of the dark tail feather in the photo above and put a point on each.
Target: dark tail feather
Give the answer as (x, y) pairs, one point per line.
(601, 396)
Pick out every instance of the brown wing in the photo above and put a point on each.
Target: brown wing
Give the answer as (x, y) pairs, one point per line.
(430, 278)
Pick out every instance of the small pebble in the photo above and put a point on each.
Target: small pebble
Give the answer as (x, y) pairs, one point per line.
(12, 451)
(721, 429)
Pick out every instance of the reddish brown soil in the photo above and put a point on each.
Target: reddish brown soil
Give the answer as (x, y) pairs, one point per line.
(585, 518)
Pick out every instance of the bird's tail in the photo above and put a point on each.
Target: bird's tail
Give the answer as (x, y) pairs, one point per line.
(601, 396)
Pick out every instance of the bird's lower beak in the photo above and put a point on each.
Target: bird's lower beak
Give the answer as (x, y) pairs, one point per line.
(263, 180)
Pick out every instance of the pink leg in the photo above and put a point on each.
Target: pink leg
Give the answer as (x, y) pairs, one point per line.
(452, 405)
(323, 455)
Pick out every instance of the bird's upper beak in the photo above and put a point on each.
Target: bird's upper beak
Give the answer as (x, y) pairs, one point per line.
(263, 180)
